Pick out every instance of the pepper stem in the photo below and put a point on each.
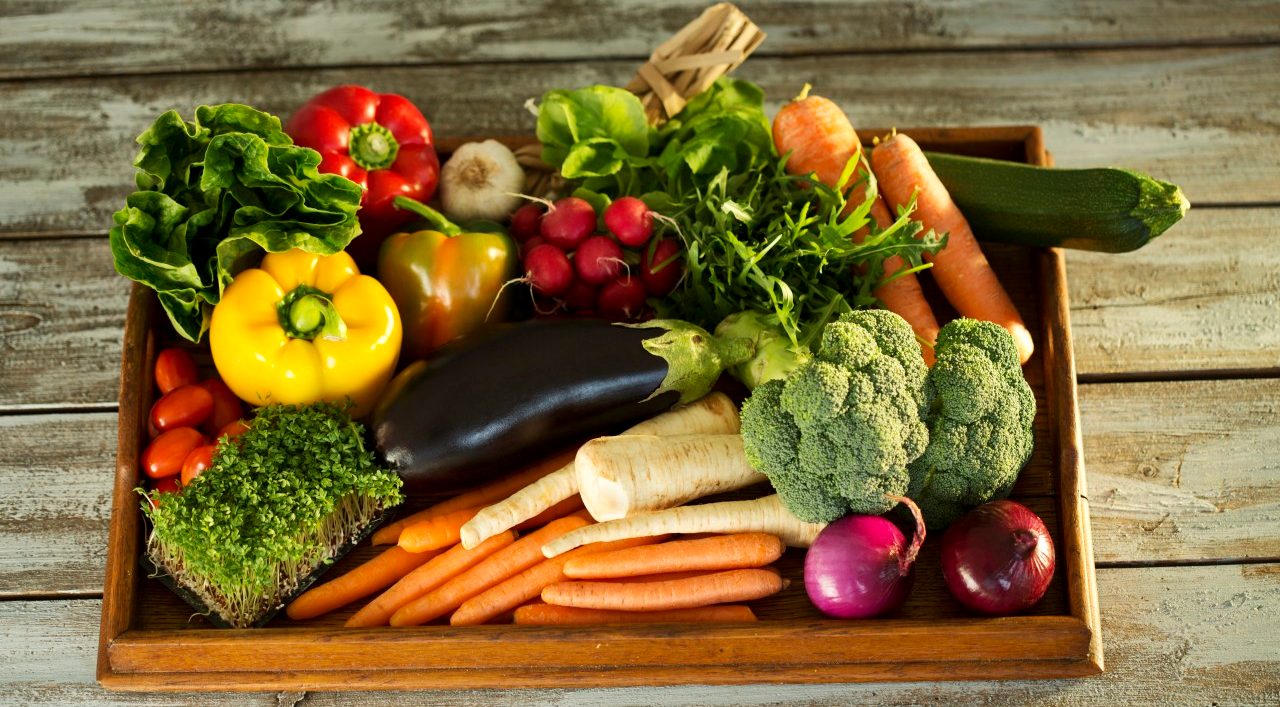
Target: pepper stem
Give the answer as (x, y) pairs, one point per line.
(372, 146)
(435, 218)
(308, 313)
(905, 561)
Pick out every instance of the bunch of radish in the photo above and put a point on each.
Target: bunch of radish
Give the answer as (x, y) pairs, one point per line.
(575, 266)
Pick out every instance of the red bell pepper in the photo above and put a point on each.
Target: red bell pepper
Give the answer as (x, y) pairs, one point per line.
(377, 140)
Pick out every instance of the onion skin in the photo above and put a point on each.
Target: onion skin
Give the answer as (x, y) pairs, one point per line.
(860, 566)
(998, 559)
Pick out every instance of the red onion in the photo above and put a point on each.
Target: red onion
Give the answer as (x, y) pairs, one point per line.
(860, 566)
(998, 559)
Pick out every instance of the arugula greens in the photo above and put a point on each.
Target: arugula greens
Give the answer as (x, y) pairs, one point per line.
(278, 502)
(755, 237)
(212, 195)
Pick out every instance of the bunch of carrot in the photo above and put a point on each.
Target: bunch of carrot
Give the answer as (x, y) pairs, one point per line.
(429, 575)
(820, 140)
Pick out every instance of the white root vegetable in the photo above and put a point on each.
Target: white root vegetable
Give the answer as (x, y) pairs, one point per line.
(712, 414)
(763, 515)
(619, 476)
(481, 181)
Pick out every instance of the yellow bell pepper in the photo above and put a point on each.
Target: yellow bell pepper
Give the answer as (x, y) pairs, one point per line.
(302, 328)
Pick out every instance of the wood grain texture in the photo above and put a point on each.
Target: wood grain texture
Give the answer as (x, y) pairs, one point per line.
(55, 475)
(61, 313)
(1205, 295)
(48, 38)
(1187, 467)
(1203, 118)
(1187, 635)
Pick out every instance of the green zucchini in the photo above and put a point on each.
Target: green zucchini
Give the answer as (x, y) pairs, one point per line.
(1106, 209)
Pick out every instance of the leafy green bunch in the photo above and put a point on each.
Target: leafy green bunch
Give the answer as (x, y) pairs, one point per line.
(277, 502)
(212, 195)
(755, 237)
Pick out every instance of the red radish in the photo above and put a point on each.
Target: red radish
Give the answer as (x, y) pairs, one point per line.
(998, 558)
(621, 299)
(581, 296)
(661, 267)
(630, 220)
(530, 245)
(598, 260)
(860, 566)
(547, 268)
(526, 222)
(569, 222)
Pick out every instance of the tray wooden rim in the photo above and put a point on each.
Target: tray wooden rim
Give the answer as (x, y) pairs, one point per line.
(479, 657)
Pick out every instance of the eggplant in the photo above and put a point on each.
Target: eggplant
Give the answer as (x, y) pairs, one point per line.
(489, 405)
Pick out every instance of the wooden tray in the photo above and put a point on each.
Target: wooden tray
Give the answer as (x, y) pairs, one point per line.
(150, 640)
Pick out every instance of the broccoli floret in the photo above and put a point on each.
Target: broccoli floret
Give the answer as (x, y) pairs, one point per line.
(837, 433)
(979, 410)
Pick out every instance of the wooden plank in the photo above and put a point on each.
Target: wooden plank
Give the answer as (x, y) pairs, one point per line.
(95, 38)
(61, 321)
(1183, 471)
(1175, 635)
(55, 471)
(1205, 295)
(1193, 116)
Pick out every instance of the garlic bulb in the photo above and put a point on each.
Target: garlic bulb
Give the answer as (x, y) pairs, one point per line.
(480, 181)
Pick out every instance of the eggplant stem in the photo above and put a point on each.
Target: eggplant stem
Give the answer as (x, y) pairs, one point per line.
(917, 539)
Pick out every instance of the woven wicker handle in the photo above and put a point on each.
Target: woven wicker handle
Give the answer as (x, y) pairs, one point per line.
(680, 68)
(688, 63)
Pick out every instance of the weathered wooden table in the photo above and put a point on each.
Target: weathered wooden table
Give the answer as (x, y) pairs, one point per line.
(1178, 345)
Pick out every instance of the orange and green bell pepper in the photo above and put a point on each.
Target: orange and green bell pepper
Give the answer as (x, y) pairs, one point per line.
(303, 328)
(446, 282)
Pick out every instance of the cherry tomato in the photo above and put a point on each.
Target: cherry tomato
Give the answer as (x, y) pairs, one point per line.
(235, 428)
(168, 484)
(174, 369)
(166, 453)
(197, 461)
(188, 406)
(226, 406)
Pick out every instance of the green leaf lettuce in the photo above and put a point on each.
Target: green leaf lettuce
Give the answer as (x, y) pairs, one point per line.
(213, 194)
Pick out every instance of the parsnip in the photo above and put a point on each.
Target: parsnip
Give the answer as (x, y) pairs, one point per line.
(713, 414)
(619, 476)
(764, 515)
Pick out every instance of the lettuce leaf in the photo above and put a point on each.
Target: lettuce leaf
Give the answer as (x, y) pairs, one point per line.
(213, 195)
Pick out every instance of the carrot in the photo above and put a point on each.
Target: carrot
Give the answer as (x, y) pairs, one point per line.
(483, 495)
(960, 268)
(763, 515)
(724, 552)
(572, 504)
(498, 567)
(716, 588)
(620, 476)
(713, 414)
(435, 532)
(527, 585)
(434, 573)
(821, 141)
(552, 615)
(378, 573)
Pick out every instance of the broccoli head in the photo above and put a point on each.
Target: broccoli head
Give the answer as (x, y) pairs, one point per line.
(979, 410)
(835, 434)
